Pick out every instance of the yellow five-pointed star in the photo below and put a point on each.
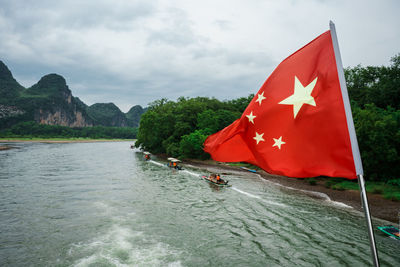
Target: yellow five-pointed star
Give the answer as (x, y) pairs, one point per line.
(260, 98)
(278, 142)
(251, 117)
(259, 137)
(301, 96)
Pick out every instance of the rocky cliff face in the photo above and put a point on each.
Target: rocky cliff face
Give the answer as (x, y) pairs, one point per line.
(61, 117)
(9, 111)
(60, 107)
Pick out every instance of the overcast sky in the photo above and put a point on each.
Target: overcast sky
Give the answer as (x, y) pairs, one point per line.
(134, 52)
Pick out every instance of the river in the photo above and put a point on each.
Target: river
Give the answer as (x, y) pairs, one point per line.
(101, 204)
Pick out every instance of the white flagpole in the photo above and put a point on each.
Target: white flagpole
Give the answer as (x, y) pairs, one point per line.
(354, 143)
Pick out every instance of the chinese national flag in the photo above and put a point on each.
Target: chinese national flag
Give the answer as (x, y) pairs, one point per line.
(296, 124)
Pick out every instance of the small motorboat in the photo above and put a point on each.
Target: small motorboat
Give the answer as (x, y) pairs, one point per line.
(146, 155)
(173, 163)
(247, 169)
(212, 180)
(391, 231)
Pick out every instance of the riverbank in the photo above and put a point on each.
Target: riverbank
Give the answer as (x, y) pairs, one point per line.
(6, 147)
(61, 140)
(379, 207)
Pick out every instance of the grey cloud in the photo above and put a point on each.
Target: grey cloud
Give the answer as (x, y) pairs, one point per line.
(176, 30)
(134, 52)
(75, 14)
(223, 24)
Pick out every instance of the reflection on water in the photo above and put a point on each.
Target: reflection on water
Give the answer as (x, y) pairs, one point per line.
(101, 204)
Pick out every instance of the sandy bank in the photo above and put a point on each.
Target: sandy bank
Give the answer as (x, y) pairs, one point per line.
(61, 141)
(5, 147)
(379, 207)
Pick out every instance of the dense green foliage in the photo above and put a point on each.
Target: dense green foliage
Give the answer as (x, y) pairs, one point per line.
(375, 95)
(378, 133)
(375, 85)
(180, 128)
(32, 129)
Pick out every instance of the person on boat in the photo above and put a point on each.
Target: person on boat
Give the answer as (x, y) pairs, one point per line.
(212, 177)
(219, 179)
(174, 165)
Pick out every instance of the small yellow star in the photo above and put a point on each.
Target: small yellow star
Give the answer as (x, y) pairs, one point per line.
(251, 117)
(278, 142)
(260, 98)
(259, 137)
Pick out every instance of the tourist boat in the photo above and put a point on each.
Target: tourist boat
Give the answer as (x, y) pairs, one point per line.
(146, 155)
(221, 183)
(247, 169)
(173, 163)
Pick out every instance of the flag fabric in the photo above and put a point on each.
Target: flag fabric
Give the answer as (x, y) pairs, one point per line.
(296, 123)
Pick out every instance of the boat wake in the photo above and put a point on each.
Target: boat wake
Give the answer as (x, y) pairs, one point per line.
(118, 247)
(191, 173)
(157, 163)
(245, 193)
(258, 197)
(314, 194)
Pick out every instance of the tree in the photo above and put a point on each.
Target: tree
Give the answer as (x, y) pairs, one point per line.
(191, 145)
(378, 133)
(166, 123)
(377, 85)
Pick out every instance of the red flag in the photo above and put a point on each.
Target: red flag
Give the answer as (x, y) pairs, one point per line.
(296, 124)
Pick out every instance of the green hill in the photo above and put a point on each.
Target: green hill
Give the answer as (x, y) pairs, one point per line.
(107, 114)
(134, 115)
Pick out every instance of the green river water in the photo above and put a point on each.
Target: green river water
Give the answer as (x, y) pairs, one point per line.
(101, 204)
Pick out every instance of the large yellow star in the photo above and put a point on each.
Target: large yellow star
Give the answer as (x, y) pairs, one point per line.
(301, 96)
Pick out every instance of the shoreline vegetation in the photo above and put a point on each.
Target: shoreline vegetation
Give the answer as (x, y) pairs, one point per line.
(61, 140)
(32, 129)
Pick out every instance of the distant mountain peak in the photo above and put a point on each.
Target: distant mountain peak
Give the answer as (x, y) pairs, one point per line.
(5, 73)
(53, 80)
(50, 84)
(9, 87)
(107, 114)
